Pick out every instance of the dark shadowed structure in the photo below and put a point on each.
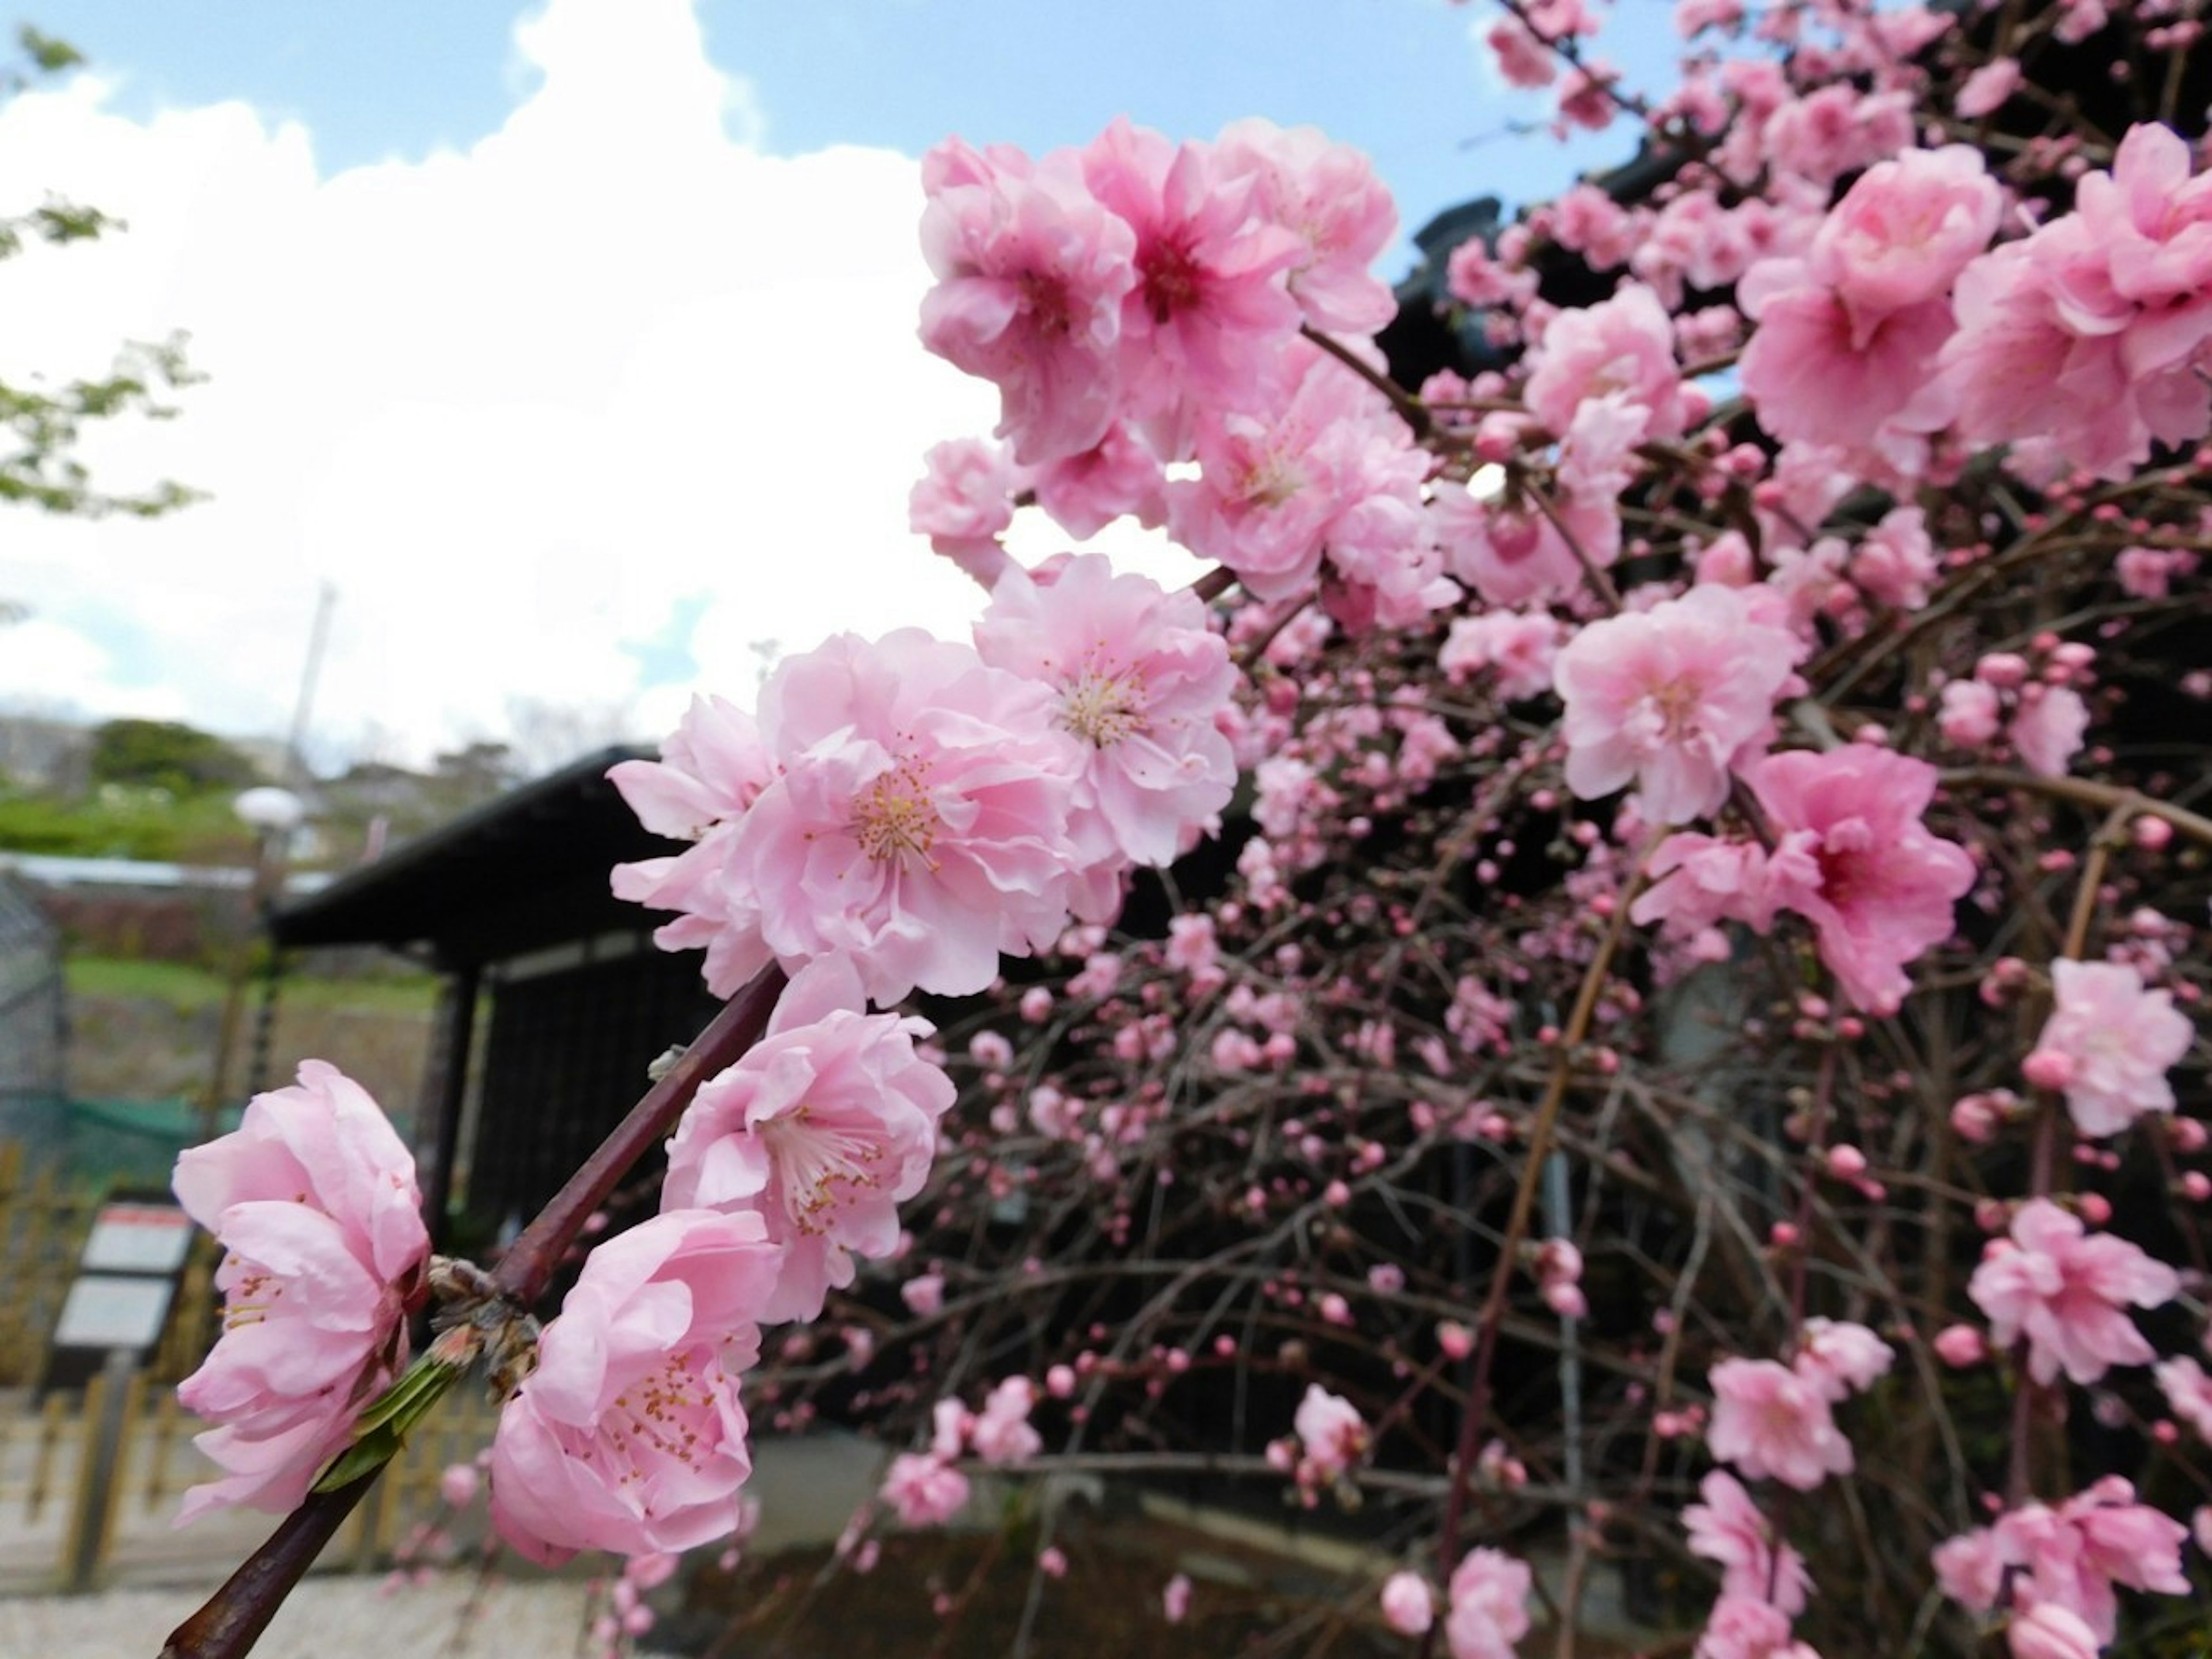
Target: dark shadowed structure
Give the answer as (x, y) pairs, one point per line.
(555, 999)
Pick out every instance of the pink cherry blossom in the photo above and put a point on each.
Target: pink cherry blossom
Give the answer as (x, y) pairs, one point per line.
(2048, 1630)
(1084, 493)
(924, 1490)
(1670, 697)
(1211, 307)
(1772, 1423)
(1001, 1432)
(1748, 1627)
(965, 502)
(1174, 1599)
(1032, 272)
(1139, 680)
(917, 824)
(1970, 714)
(2047, 727)
(1511, 553)
(1518, 647)
(1487, 1612)
(1905, 229)
(2062, 1291)
(1332, 1432)
(1623, 344)
(2109, 1043)
(1326, 195)
(2188, 1393)
(1409, 1606)
(1730, 1528)
(313, 1200)
(1856, 860)
(2069, 1557)
(629, 1436)
(1842, 1358)
(822, 1127)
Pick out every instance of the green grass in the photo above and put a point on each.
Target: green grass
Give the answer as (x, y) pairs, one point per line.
(184, 987)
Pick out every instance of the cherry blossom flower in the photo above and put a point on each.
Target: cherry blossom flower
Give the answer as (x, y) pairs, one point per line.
(1032, 272)
(2047, 727)
(2188, 1394)
(1623, 344)
(1487, 1612)
(1730, 1528)
(821, 1127)
(2062, 1291)
(1774, 1422)
(313, 1200)
(629, 1436)
(1332, 1432)
(924, 1491)
(1001, 1432)
(1519, 648)
(1174, 1599)
(1138, 679)
(965, 502)
(1326, 195)
(1670, 697)
(1849, 1357)
(1409, 1606)
(2069, 1557)
(1856, 860)
(2048, 1630)
(2108, 1045)
(917, 824)
(1748, 1627)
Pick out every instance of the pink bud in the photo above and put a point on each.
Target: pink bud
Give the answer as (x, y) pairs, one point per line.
(1408, 1605)
(1960, 1347)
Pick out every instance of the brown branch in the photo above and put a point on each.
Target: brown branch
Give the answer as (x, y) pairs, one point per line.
(232, 1620)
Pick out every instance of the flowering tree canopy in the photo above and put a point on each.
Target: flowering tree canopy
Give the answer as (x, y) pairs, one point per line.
(1688, 1049)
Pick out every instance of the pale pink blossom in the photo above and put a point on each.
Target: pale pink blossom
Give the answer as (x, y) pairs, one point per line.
(1519, 648)
(923, 1489)
(2064, 1292)
(1487, 1612)
(1748, 1627)
(1894, 563)
(2188, 1394)
(1175, 1600)
(1774, 1424)
(2047, 727)
(1905, 229)
(1409, 1606)
(1511, 553)
(1623, 344)
(629, 1436)
(2109, 1043)
(1326, 195)
(2069, 1557)
(1671, 697)
(1698, 882)
(1987, 87)
(1031, 274)
(1085, 492)
(2048, 1630)
(313, 1198)
(1970, 714)
(1001, 1432)
(1137, 681)
(1842, 1358)
(963, 503)
(1854, 859)
(1331, 1431)
(823, 1127)
(1730, 1528)
(917, 824)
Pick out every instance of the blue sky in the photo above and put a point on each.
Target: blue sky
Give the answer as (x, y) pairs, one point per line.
(374, 80)
(574, 343)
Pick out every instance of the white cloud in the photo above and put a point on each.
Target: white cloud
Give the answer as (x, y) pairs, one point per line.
(515, 404)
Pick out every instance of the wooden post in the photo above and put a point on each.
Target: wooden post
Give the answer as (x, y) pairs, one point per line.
(108, 1400)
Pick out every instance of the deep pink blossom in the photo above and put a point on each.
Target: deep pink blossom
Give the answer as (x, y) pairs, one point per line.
(1139, 682)
(2109, 1043)
(1856, 860)
(1488, 1611)
(917, 824)
(1730, 1528)
(1032, 272)
(1671, 698)
(629, 1436)
(2064, 1292)
(823, 1127)
(313, 1200)
(1211, 309)
(1772, 1423)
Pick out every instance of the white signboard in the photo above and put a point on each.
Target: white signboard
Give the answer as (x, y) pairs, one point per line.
(137, 1238)
(103, 1312)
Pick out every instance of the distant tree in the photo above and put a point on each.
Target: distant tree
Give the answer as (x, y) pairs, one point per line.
(40, 424)
(168, 755)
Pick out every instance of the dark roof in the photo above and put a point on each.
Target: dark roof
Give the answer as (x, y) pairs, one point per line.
(519, 873)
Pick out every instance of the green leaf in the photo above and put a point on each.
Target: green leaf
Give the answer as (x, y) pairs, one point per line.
(379, 1431)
